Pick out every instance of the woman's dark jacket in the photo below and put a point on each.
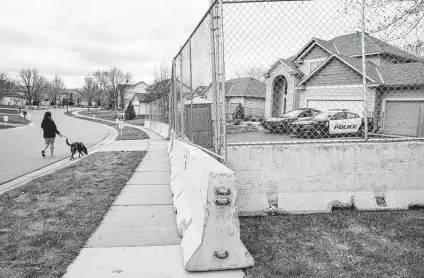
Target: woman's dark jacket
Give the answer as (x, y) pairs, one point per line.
(49, 128)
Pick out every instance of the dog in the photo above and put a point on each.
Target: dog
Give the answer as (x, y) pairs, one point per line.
(77, 147)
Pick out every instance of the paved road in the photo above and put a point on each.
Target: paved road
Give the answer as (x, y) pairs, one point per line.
(20, 148)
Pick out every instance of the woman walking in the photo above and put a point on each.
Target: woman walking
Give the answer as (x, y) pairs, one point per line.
(49, 133)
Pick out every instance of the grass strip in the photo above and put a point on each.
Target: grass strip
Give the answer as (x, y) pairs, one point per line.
(6, 126)
(128, 133)
(340, 244)
(45, 223)
(110, 115)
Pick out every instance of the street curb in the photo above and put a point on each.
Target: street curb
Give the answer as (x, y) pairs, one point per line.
(17, 127)
(22, 180)
(148, 131)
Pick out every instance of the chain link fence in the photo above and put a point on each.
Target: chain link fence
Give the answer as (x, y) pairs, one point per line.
(158, 110)
(302, 63)
(198, 85)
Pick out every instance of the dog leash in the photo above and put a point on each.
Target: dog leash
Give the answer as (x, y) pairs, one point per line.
(67, 138)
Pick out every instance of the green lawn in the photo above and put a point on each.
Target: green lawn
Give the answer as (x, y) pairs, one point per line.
(110, 115)
(45, 223)
(6, 126)
(9, 111)
(128, 133)
(340, 244)
(14, 119)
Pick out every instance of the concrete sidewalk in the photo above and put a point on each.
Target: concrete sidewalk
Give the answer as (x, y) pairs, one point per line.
(138, 236)
(152, 135)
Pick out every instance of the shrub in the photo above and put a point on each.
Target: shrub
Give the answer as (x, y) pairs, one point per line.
(240, 112)
(129, 112)
(246, 119)
(237, 122)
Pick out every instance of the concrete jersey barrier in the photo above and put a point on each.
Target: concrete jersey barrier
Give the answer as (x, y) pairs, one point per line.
(159, 128)
(312, 178)
(204, 198)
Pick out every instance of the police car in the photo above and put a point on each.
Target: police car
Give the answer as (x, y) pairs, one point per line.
(283, 124)
(332, 122)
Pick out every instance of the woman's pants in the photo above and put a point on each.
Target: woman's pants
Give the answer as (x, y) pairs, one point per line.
(49, 141)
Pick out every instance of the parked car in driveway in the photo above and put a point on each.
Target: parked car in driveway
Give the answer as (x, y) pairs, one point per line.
(282, 125)
(332, 122)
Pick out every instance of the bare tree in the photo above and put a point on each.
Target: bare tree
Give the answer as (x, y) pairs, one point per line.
(161, 88)
(7, 85)
(161, 85)
(29, 79)
(254, 72)
(116, 77)
(55, 88)
(101, 77)
(124, 90)
(393, 19)
(416, 47)
(41, 89)
(90, 90)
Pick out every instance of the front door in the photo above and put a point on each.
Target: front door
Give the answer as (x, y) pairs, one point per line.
(279, 95)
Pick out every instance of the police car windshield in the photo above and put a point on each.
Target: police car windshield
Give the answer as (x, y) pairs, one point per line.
(293, 114)
(324, 115)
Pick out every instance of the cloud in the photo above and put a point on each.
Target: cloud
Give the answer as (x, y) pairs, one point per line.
(74, 38)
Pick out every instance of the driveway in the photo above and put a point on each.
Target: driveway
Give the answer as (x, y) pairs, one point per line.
(20, 148)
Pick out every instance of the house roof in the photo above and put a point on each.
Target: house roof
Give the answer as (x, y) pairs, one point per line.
(353, 63)
(356, 63)
(245, 87)
(142, 97)
(135, 84)
(14, 94)
(288, 62)
(122, 86)
(403, 74)
(348, 49)
(350, 45)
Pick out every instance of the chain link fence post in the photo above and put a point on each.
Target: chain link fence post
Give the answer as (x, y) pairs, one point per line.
(191, 91)
(364, 71)
(223, 120)
(182, 95)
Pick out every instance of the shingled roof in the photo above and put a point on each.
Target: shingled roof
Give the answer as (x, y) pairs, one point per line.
(409, 69)
(403, 74)
(351, 45)
(245, 87)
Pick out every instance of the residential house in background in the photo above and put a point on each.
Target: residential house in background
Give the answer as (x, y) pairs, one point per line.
(327, 74)
(140, 102)
(247, 91)
(130, 90)
(13, 99)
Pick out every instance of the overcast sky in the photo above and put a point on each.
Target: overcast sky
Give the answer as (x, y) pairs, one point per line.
(74, 38)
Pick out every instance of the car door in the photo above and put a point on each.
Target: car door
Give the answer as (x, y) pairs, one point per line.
(354, 121)
(340, 124)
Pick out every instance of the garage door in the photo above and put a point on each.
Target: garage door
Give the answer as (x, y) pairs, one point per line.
(403, 118)
(355, 106)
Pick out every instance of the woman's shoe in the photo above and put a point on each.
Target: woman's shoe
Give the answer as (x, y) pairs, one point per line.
(43, 153)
